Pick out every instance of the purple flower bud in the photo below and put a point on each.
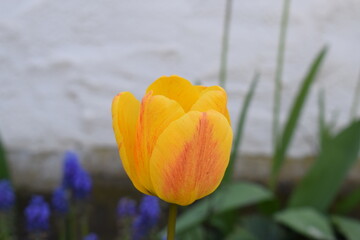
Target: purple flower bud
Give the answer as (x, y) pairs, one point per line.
(37, 215)
(7, 196)
(60, 200)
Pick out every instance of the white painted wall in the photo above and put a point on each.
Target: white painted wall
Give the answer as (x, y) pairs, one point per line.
(61, 63)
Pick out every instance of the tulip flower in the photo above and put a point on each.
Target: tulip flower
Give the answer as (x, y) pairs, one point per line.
(174, 144)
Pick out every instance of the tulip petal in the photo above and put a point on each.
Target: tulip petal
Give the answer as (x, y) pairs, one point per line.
(176, 88)
(190, 157)
(200, 88)
(156, 113)
(125, 112)
(212, 98)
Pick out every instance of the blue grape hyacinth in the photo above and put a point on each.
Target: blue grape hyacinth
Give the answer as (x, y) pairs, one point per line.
(75, 178)
(148, 218)
(70, 169)
(60, 201)
(7, 195)
(37, 215)
(82, 184)
(126, 208)
(91, 236)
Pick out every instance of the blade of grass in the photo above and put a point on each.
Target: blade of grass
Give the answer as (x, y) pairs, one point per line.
(225, 44)
(240, 128)
(294, 117)
(324, 128)
(321, 117)
(356, 100)
(4, 169)
(279, 71)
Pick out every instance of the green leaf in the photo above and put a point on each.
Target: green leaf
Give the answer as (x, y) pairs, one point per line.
(356, 100)
(225, 44)
(4, 170)
(325, 130)
(223, 223)
(293, 118)
(279, 71)
(226, 198)
(350, 228)
(241, 234)
(307, 222)
(321, 183)
(197, 233)
(349, 202)
(235, 195)
(263, 228)
(240, 128)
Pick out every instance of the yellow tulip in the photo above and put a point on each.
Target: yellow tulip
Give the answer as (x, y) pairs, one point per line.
(175, 143)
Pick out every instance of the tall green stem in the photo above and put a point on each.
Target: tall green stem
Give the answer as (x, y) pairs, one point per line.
(278, 85)
(61, 227)
(84, 225)
(322, 124)
(172, 222)
(225, 43)
(4, 227)
(73, 222)
(356, 100)
(279, 72)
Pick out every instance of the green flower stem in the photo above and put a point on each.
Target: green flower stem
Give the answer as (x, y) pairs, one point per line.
(279, 72)
(225, 43)
(72, 222)
(84, 225)
(4, 227)
(62, 228)
(276, 135)
(356, 100)
(172, 222)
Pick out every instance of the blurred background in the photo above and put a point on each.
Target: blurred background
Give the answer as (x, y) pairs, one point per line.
(62, 62)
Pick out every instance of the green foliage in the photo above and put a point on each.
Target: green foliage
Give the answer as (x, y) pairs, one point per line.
(307, 222)
(356, 100)
(263, 228)
(279, 71)
(325, 130)
(349, 202)
(241, 234)
(321, 183)
(240, 128)
(350, 228)
(227, 198)
(4, 169)
(196, 233)
(225, 43)
(294, 116)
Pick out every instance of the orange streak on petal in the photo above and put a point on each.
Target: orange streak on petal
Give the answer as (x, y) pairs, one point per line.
(195, 158)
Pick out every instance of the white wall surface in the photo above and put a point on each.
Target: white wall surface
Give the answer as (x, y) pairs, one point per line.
(61, 63)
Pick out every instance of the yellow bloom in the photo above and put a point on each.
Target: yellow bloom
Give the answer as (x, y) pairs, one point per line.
(175, 143)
